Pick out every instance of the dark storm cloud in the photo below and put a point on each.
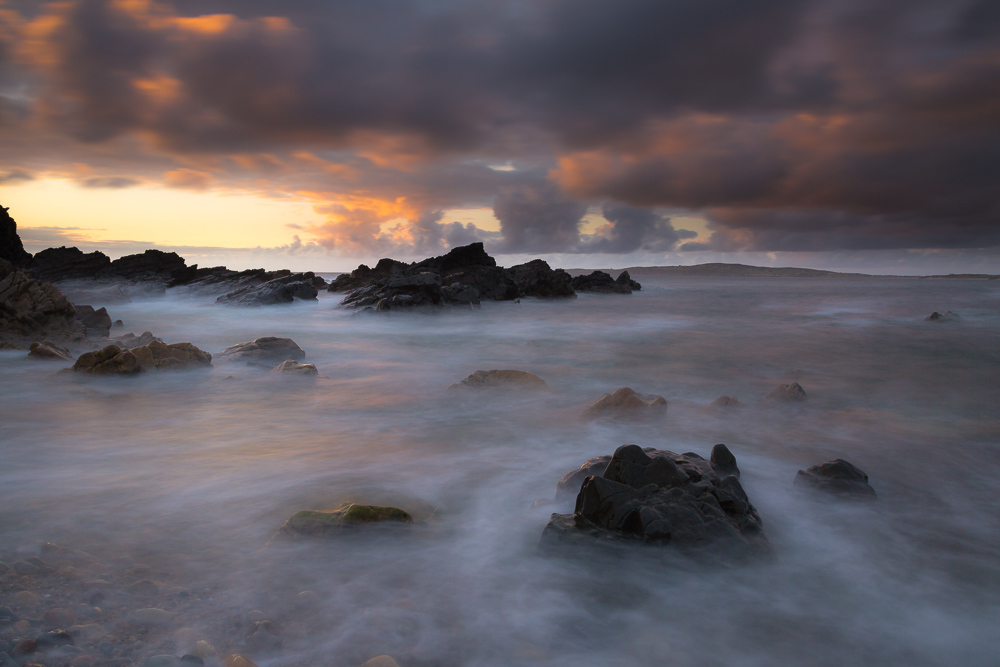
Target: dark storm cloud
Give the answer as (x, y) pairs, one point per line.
(792, 124)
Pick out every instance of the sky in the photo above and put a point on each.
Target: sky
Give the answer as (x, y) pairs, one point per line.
(859, 135)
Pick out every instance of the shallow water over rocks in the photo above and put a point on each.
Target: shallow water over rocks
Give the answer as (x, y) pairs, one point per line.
(190, 474)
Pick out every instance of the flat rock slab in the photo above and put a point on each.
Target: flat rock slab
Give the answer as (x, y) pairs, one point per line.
(837, 477)
(267, 348)
(502, 378)
(291, 367)
(345, 517)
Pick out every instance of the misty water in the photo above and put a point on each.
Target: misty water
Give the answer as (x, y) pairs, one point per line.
(192, 473)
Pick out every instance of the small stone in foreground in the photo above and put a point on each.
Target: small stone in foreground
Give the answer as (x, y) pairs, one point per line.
(237, 660)
(837, 477)
(381, 661)
(787, 393)
(292, 367)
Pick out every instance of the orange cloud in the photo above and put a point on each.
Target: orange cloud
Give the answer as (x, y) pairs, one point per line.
(190, 179)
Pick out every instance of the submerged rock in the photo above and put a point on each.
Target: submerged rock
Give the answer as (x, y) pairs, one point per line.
(599, 281)
(726, 402)
(625, 401)
(292, 367)
(947, 317)
(237, 660)
(345, 517)
(503, 378)
(658, 497)
(278, 290)
(837, 477)
(49, 351)
(789, 393)
(263, 635)
(267, 348)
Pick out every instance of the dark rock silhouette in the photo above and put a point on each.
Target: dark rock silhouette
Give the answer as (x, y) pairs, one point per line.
(837, 477)
(60, 264)
(278, 290)
(11, 248)
(947, 317)
(658, 497)
(599, 281)
(31, 309)
(787, 393)
(463, 277)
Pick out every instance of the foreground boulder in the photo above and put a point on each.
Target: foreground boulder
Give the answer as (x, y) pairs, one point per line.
(787, 393)
(266, 348)
(31, 308)
(278, 290)
(837, 477)
(292, 367)
(601, 282)
(49, 351)
(348, 516)
(626, 402)
(502, 378)
(658, 497)
(110, 360)
(159, 356)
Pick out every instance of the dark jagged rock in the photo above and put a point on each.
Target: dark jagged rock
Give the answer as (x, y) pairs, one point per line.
(49, 351)
(150, 265)
(599, 281)
(60, 264)
(11, 248)
(278, 290)
(34, 309)
(130, 340)
(658, 497)
(569, 486)
(464, 276)
(97, 322)
(837, 477)
(536, 278)
(947, 317)
(625, 279)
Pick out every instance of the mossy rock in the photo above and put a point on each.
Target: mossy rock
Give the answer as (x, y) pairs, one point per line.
(325, 522)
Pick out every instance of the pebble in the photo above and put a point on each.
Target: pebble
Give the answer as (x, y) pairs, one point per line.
(192, 660)
(88, 611)
(106, 648)
(68, 572)
(123, 562)
(178, 592)
(87, 632)
(4, 568)
(307, 599)
(25, 568)
(27, 598)
(160, 661)
(203, 649)
(82, 661)
(98, 584)
(57, 618)
(7, 616)
(263, 636)
(237, 660)
(143, 588)
(22, 627)
(151, 616)
(94, 597)
(254, 616)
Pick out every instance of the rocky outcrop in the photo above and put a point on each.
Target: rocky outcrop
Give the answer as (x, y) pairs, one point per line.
(61, 264)
(130, 340)
(947, 317)
(49, 351)
(626, 402)
(599, 281)
(348, 516)
(787, 393)
(569, 486)
(726, 402)
(536, 278)
(291, 367)
(150, 265)
(267, 348)
(658, 497)
(463, 277)
(110, 360)
(97, 322)
(502, 378)
(33, 309)
(11, 248)
(837, 477)
(156, 356)
(159, 356)
(278, 290)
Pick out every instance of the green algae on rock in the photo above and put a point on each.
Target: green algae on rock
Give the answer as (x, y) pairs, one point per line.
(346, 516)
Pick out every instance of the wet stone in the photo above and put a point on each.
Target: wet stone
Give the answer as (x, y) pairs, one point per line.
(106, 648)
(143, 588)
(57, 618)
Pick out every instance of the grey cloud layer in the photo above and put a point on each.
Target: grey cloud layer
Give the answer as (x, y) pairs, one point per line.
(791, 124)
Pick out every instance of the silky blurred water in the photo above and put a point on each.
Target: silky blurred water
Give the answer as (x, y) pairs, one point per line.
(195, 472)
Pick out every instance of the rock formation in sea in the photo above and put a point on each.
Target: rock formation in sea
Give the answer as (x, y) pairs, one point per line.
(33, 310)
(838, 478)
(462, 277)
(626, 402)
(657, 497)
(599, 281)
(787, 393)
(509, 379)
(285, 289)
(11, 248)
(264, 349)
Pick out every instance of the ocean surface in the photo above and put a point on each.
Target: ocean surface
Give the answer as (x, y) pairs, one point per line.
(194, 472)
